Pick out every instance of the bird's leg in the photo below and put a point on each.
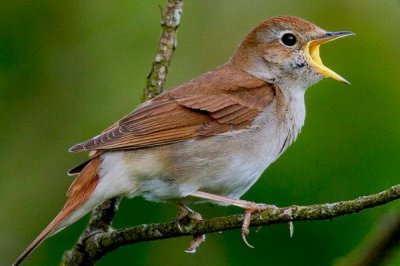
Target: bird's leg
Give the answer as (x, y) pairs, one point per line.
(195, 243)
(186, 213)
(250, 208)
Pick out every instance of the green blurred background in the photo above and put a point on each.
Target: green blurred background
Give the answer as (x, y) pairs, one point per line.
(68, 69)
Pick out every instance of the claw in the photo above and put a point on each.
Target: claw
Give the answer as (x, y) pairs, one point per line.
(179, 218)
(187, 213)
(252, 208)
(195, 243)
(291, 229)
(245, 240)
(245, 226)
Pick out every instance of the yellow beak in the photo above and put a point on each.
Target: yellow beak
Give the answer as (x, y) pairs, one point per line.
(312, 52)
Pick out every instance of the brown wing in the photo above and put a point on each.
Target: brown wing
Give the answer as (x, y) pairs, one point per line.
(183, 113)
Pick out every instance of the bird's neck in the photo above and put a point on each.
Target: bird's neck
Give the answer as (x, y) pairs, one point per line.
(296, 109)
(253, 65)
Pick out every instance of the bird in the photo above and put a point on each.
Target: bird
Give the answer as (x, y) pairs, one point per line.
(211, 138)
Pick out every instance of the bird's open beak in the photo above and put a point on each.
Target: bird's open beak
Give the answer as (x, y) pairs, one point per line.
(312, 51)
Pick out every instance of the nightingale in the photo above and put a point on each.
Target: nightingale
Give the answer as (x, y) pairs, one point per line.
(209, 139)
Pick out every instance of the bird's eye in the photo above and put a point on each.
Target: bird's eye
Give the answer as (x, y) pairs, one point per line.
(289, 39)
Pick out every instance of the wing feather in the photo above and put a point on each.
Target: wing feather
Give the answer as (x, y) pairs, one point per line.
(196, 109)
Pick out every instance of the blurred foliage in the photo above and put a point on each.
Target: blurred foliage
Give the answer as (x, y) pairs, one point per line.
(68, 69)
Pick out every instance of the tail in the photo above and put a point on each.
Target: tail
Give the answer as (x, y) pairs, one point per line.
(77, 205)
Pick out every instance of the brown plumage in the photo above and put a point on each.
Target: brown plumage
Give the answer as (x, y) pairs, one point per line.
(195, 109)
(209, 138)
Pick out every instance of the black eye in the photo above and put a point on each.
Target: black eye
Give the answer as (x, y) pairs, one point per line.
(289, 39)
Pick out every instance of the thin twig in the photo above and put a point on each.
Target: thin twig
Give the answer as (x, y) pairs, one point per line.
(96, 246)
(170, 19)
(103, 215)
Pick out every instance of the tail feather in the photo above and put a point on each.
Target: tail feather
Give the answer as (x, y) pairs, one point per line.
(45, 233)
(78, 193)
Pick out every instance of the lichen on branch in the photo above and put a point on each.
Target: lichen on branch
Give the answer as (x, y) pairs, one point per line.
(170, 19)
(100, 244)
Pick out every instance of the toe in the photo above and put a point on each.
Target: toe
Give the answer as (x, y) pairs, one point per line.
(195, 243)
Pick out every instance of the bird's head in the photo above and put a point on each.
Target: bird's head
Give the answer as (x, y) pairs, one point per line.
(285, 50)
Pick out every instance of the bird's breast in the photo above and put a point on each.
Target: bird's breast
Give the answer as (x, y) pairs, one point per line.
(229, 164)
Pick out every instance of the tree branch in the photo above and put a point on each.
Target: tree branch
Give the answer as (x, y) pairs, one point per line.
(170, 19)
(96, 246)
(103, 215)
(100, 222)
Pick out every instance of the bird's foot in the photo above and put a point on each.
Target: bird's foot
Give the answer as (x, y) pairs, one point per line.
(250, 209)
(185, 215)
(195, 243)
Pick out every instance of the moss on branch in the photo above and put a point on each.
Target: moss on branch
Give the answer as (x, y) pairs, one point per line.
(97, 245)
(170, 19)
